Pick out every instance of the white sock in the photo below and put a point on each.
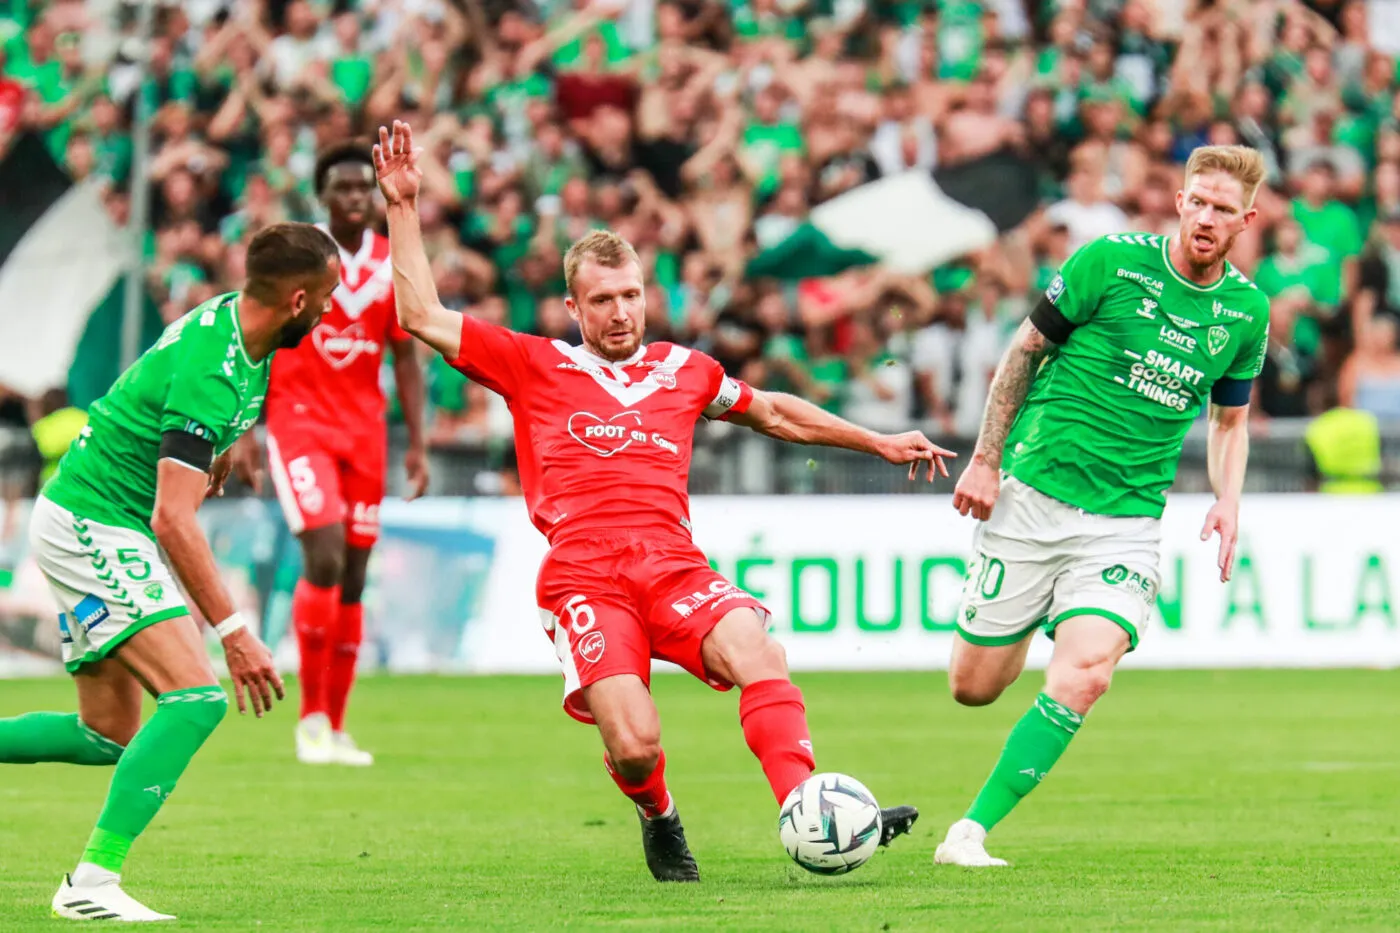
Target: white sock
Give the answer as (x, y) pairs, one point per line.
(88, 875)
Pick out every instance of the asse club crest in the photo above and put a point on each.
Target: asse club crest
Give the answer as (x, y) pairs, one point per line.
(1216, 338)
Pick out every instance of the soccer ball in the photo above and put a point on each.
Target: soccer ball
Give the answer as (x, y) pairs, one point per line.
(830, 824)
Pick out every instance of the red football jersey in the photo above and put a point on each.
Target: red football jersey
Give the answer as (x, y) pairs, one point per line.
(331, 379)
(601, 445)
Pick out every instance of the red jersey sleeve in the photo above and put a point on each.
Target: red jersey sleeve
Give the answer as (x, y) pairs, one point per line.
(494, 356)
(728, 396)
(393, 333)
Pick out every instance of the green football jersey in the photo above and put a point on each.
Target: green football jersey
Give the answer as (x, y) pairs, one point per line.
(1102, 425)
(196, 378)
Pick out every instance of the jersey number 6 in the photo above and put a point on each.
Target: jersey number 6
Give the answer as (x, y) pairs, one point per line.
(581, 617)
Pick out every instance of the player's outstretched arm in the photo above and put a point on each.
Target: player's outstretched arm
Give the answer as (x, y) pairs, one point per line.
(415, 295)
(1227, 454)
(980, 483)
(789, 418)
(180, 488)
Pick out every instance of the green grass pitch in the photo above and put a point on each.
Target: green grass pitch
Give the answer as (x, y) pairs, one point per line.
(1231, 801)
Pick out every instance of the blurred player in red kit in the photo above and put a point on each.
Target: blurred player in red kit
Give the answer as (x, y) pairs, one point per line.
(327, 449)
(603, 435)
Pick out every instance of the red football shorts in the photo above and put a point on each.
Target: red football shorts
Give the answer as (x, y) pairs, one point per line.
(612, 602)
(322, 481)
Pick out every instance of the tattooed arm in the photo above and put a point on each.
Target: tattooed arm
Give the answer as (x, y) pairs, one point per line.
(980, 484)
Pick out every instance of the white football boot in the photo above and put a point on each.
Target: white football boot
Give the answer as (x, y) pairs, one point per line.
(103, 900)
(965, 845)
(314, 746)
(345, 752)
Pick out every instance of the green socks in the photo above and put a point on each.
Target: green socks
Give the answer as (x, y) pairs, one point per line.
(1034, 745)
(36, 737)
(148, 770)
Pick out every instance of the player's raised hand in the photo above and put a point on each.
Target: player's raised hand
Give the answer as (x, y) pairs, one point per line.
(1224, 518)
(977, 490)
(250, 667)
(415, 464)
(913, 448)
(396, 164)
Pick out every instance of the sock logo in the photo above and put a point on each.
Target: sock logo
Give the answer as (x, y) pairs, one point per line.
(1031, 772)
(807, 744)
(161, 795)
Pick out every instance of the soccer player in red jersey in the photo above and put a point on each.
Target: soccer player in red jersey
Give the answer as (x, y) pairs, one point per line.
(603, 435)
(327, 449)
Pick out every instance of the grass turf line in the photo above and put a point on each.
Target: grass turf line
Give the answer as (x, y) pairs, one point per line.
(1233, 801)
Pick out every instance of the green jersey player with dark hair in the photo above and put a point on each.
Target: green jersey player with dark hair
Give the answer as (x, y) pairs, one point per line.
(1079, 443)
(154, 447)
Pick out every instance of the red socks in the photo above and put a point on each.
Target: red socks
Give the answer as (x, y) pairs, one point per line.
(315, 614)
(775, 726)
(651, 794)
(344, 654)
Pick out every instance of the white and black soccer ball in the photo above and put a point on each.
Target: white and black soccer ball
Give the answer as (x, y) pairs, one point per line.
(830, 824)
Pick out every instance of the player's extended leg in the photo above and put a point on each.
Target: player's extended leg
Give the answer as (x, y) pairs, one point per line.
(631, 730)
(344, 656)
(109, 713)
(315, 618)
(739, 650)
(1087, 648)
(169, 659)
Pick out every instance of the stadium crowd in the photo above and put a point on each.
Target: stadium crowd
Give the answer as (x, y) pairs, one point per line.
(703, 130)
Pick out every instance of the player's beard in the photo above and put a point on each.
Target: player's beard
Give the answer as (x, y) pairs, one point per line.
(615, 350)
(1205, 259)
(293, 332)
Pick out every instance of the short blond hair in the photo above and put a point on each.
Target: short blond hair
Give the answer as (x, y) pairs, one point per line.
(1241, 163)
(603, 247)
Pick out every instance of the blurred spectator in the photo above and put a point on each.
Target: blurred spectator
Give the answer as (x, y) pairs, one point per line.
(1370, 380)
(705, 131)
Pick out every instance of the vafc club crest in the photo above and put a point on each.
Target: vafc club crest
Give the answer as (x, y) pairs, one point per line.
(664, 379)
(1216, 338)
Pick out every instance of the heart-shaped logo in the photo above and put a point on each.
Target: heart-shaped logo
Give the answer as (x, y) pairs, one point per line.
(340, 348)
(604, 438)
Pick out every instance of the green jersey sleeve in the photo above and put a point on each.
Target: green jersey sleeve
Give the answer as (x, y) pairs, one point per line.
(203, 399)
(1249, 360)
(1077, 289)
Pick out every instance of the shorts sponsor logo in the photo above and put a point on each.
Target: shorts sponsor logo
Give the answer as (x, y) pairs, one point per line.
(719, 591)
(90, 612)
(63, 631)
(1057, 288)
(1152, 285)
(154, 592)
(1216, 338)
(1136, 583)
(592, 646)
(1175, 338)
(340, 348)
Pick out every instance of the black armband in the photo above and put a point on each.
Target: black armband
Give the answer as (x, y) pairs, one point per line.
(188, 449)
(1050, 322)
(1231, 393)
